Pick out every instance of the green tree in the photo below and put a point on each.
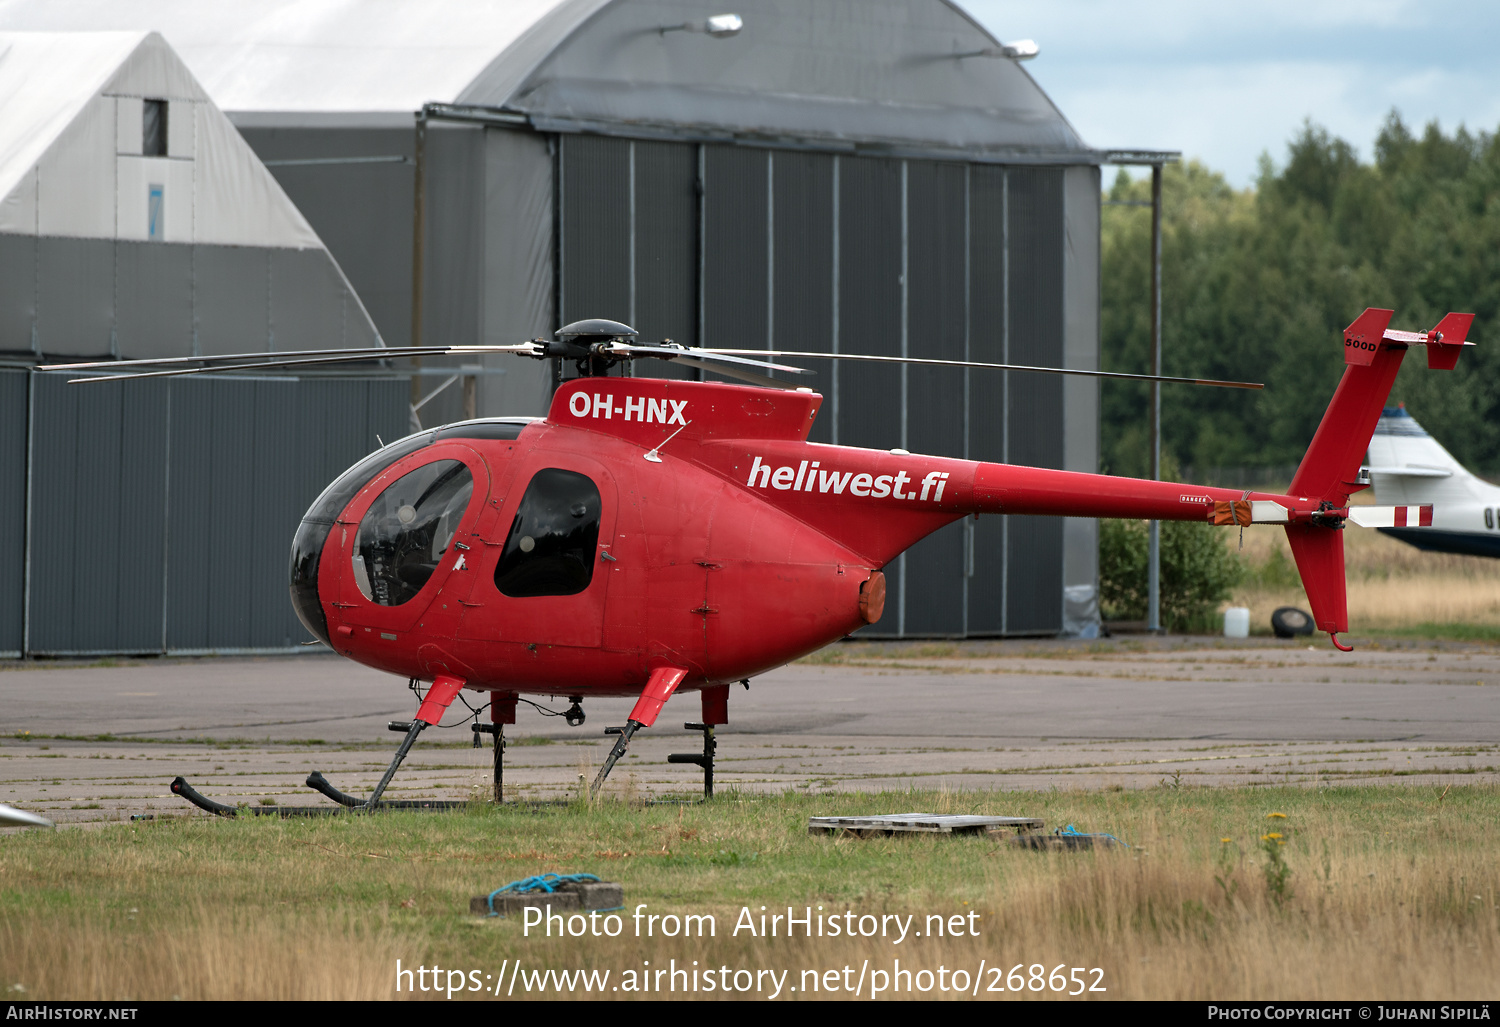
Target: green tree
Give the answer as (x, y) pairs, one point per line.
(1258, 284)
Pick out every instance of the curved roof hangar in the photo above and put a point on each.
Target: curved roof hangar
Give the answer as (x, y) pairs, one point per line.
(839, 74)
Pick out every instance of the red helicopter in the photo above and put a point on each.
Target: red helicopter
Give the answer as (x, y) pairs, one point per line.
(651, 536)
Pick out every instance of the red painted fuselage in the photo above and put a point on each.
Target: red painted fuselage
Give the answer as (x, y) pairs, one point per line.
(727, 544)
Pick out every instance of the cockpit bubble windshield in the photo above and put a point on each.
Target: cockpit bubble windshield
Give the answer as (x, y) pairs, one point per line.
(408, 529)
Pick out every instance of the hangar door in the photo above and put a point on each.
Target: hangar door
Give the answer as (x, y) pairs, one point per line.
(718, 245)
(158, 516)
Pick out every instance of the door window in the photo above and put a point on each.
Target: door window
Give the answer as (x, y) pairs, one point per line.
(551, 548)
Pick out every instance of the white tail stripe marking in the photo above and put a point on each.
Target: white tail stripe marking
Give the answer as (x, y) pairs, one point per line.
(1391, 516)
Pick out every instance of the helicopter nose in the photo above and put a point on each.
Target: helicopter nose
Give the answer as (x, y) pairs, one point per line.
(312, 533)
(307, 551)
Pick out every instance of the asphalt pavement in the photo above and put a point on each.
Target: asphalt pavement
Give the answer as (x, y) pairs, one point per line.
(1012, 715)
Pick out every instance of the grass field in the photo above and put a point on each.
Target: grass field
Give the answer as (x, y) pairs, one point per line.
(1369, 892)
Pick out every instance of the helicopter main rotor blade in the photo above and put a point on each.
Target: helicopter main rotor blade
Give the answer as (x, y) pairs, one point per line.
(275, 358)
(734, 371)
(368, 354)
(720, 363)
(677, 352)
(719, 360)
(178, 372)
(347, 356)
(977, 363)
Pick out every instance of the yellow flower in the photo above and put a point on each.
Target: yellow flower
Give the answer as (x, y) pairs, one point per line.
(1272, 837)
(1279, 816)
(1226, 841)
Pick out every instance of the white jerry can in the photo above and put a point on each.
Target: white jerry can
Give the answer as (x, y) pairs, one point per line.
(1237, 622)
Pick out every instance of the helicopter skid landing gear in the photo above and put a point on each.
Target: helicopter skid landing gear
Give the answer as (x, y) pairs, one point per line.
(502, 712)
(439, 696)
(706, 761)
(659, 688)
(715, 712)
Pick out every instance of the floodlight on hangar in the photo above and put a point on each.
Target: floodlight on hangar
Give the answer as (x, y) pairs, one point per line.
(1020, 50)
(720, 26)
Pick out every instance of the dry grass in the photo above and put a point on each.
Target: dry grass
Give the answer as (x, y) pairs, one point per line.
(1357, 923)
(212, 954)
(1392, 894)
(1392, 586)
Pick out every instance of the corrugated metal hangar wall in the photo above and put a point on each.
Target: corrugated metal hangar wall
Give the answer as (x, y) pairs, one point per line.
(113, 244)
(741, 247)
(148, 517)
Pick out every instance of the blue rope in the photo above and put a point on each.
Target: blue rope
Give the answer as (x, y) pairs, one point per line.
(1073, 832)
(541, 882)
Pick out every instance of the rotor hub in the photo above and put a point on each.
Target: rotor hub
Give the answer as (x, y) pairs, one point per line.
(587, 342)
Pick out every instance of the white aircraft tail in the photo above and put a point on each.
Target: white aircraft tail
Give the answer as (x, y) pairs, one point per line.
(1408, 466)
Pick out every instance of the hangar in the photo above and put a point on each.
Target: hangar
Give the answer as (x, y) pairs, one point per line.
(856, 175)
(136, 222)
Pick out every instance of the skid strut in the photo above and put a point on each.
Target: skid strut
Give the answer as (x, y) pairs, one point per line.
(444, 688)
(715, 712)
(706, 760)
(413, 729)
(659, 688)
(621, 744)
(498, 731)
(502, 712)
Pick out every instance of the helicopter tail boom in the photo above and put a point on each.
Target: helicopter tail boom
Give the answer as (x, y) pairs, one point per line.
(1315, 506)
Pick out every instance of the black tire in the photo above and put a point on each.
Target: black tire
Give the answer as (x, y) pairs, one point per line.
(1289, 622)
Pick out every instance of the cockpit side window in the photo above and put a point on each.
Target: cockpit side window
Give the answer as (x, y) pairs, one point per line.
(408, 529)
(551, 548)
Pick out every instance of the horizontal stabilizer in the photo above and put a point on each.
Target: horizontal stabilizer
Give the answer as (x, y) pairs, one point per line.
(1368, 334)
(1392, 516)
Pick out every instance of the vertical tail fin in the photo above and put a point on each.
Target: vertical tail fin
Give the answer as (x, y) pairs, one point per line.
(1446, 341)
(1329, 472)
(1330, 469)
(1319, 553)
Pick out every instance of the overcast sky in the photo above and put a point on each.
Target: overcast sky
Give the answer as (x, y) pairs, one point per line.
(1225, 82)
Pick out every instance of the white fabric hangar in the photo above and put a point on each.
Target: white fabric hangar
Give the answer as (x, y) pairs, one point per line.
(142, 222)
(860, 175)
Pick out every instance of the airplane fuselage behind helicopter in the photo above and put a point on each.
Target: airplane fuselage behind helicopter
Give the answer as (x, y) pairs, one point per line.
(1407, 465)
